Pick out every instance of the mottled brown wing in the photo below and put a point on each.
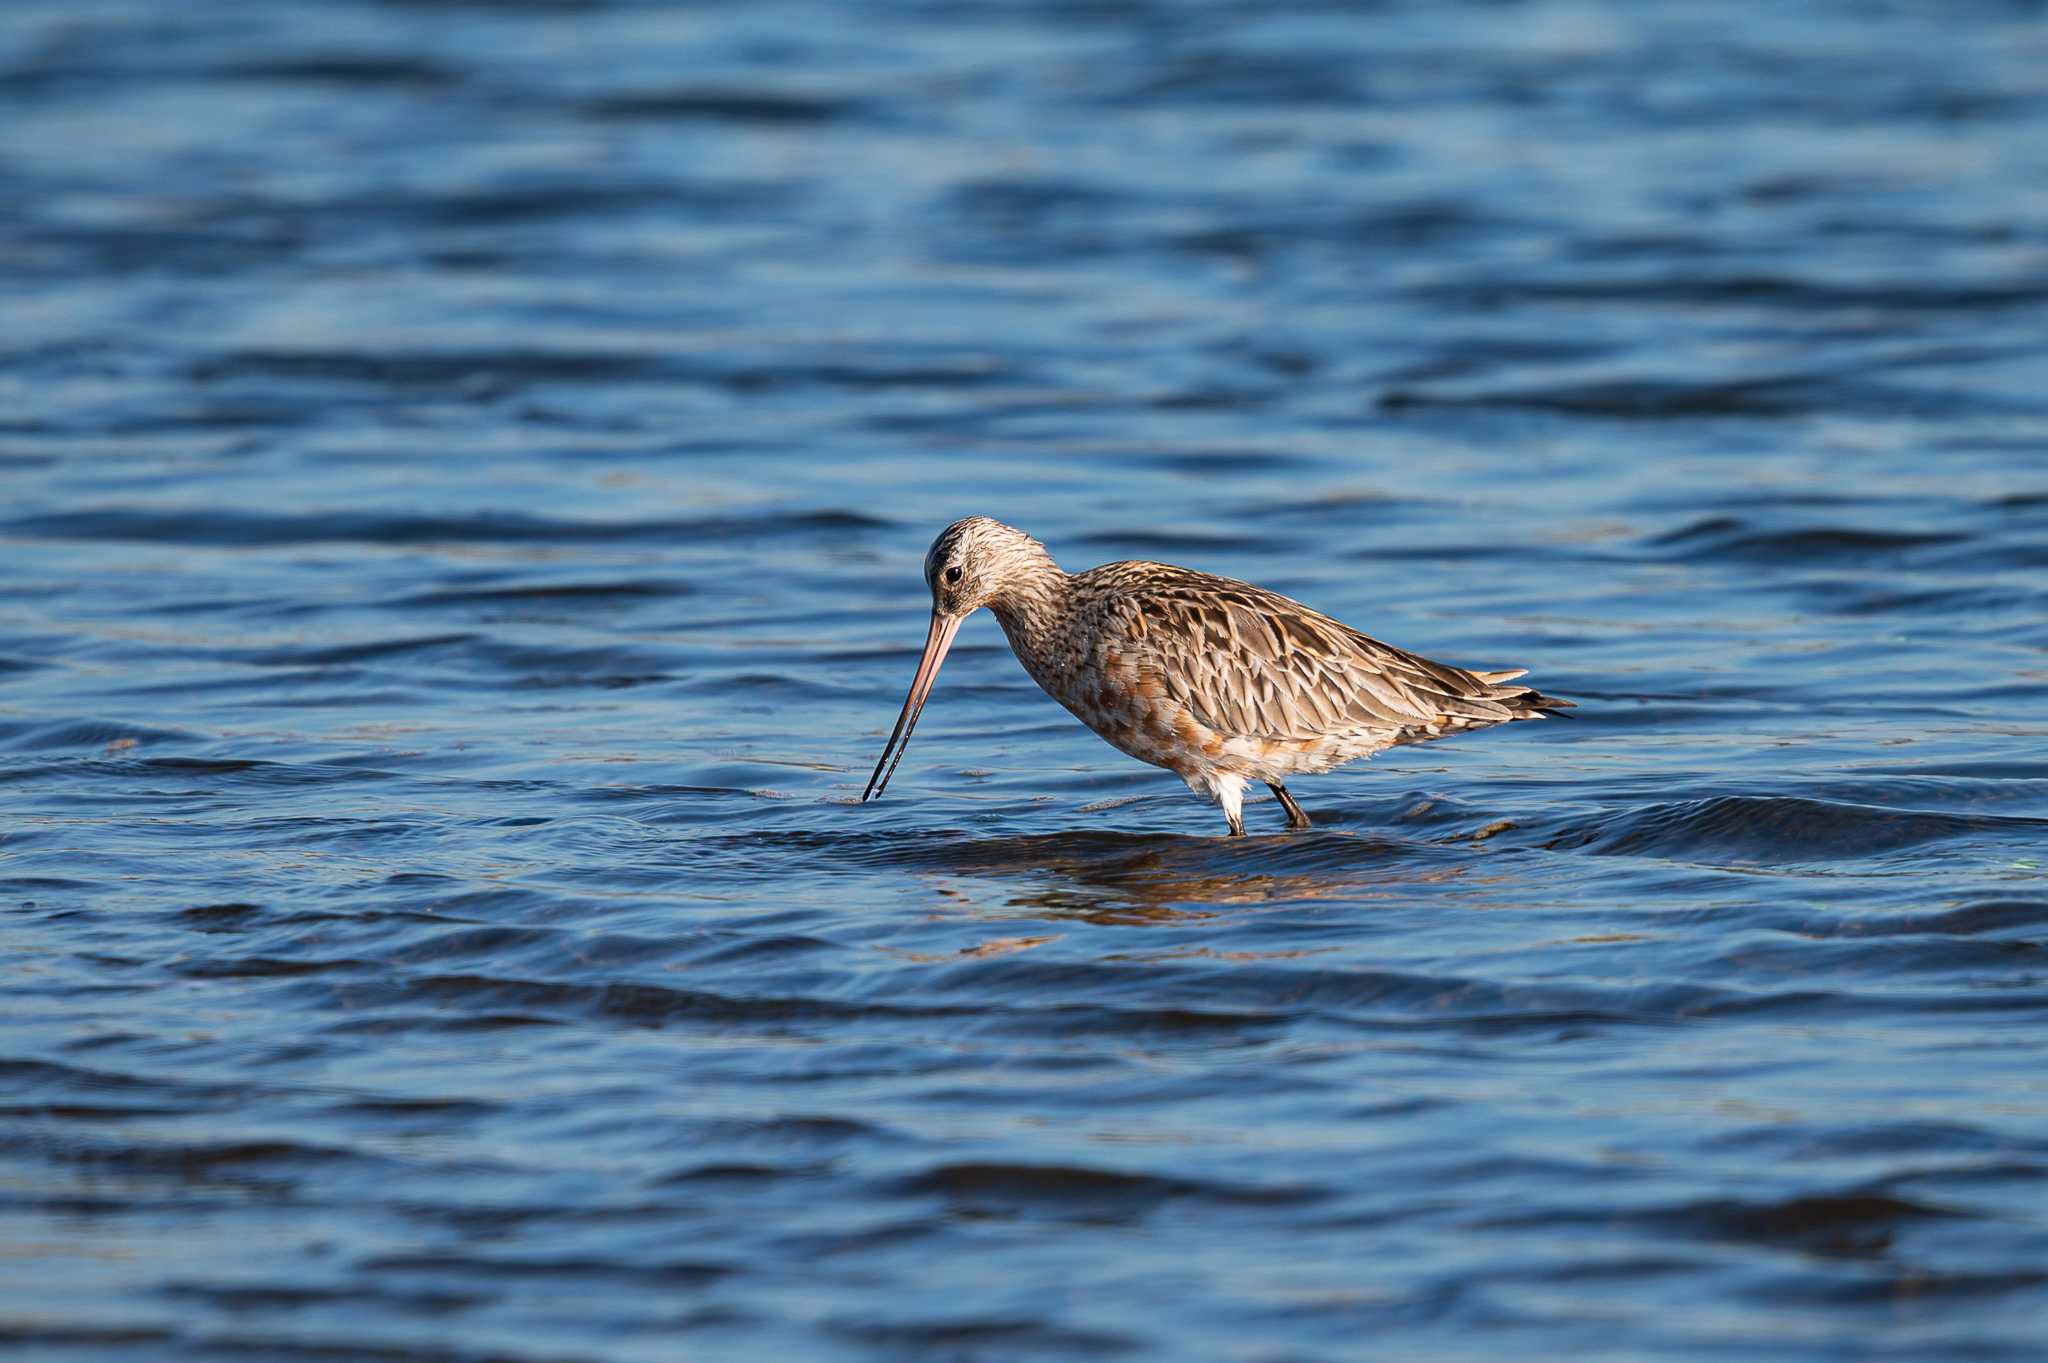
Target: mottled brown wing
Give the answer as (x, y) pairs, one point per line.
(1253, 663)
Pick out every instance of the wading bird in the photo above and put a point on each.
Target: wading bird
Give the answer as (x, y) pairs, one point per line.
(1220, 682)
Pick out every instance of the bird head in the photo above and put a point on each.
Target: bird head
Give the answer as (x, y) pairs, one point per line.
(973, 563)
(975, 560)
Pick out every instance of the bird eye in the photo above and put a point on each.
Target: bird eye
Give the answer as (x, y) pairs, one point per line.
(953, 573)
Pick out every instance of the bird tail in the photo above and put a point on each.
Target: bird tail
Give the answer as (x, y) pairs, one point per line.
(1523, 702)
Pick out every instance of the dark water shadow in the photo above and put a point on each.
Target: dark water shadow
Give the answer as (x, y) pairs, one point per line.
(1135, 878)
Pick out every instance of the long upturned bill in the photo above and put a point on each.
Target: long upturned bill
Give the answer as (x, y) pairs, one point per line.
(944, 627)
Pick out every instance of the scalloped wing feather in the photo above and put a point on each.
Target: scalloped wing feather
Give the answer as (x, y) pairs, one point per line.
(1253, 664)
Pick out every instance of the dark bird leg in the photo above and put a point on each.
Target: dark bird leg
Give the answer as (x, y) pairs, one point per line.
(1236, 822)
(1297, 817)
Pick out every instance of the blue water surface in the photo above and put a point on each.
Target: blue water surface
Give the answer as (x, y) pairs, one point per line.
(464, 474)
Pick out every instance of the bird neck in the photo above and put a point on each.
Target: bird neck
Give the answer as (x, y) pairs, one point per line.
(1031, 605)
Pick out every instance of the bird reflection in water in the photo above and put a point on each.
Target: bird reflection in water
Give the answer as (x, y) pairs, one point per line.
(1121, 880)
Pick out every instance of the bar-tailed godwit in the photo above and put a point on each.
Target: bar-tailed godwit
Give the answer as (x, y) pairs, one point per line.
(1218, 681)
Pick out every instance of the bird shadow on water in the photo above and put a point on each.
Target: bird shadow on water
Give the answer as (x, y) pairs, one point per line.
(1130, 879)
